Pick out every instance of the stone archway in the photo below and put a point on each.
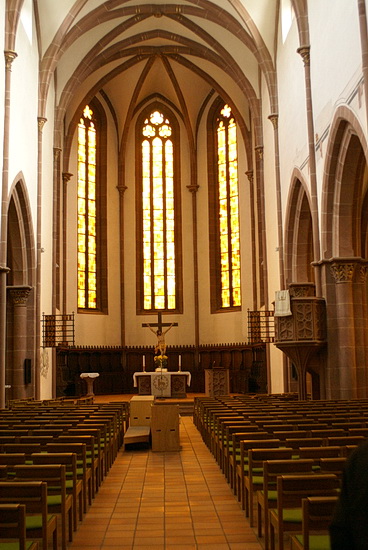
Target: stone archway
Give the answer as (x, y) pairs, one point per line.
(305, 355)
(20, 333)
(344, 263)
(299, 235)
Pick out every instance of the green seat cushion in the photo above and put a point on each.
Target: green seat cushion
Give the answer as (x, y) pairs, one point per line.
(292, 515)
(53, 500)
(14, 545)
(316, 542)
(35, 522)
(258, 480)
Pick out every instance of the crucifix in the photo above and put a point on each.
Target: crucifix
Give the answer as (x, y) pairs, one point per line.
(161, 344)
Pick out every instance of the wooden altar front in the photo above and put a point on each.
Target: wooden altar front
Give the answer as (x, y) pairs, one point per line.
(166, 384)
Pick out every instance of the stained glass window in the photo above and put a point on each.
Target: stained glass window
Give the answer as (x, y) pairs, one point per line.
(87, 249)
(158, 209)
(228, 209)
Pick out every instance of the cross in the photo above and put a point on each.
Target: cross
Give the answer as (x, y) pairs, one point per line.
(161, 344)
(159, 323)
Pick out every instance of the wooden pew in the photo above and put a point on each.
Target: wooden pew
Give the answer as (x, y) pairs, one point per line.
(40, 525)
(287, 516)
(58, 501)
(13, 528)
(242, 467)
(253, 482)
(74, 486)
(317, 514)
(84, 472)
(267, 496)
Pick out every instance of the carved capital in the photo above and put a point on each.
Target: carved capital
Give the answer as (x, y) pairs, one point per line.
(193, 188)
(274, 118)
(121, 189)
(259, 151)
(343, 272)
(363, 273)
(66, 177)
(19, 294)
(57, 152)
(9, 58)
(41, 122)
(304, 51)
(250, 175)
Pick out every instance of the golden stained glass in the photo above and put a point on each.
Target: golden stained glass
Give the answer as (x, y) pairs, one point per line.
(228, 209)
(87, 248)
(158, 213)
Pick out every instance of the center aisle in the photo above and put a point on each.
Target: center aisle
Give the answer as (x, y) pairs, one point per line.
(166, 501)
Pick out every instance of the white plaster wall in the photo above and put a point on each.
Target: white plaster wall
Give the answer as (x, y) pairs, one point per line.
(276, 383)
(292, 110)
(23, 136)
(47, 193)
(95, 328)
(229, 326)
(2, 82)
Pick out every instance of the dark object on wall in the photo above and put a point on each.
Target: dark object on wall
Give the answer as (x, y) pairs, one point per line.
(27, 371)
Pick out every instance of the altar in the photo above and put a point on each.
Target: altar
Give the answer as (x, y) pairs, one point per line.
(165, 384)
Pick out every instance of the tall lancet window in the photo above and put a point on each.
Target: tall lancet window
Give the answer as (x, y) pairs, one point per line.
(224, 203)
(158, 260)
(87, 198)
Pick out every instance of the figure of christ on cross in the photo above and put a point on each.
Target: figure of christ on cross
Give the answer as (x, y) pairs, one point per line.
(161, 343)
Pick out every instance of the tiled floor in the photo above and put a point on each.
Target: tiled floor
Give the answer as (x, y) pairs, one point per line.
(165, 501)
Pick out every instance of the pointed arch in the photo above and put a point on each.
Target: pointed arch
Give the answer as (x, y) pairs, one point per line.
(21, 244)
(343, 187)
(299, 234)
(21, 298)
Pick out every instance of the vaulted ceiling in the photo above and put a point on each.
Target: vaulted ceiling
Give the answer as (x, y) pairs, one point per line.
(134, 50)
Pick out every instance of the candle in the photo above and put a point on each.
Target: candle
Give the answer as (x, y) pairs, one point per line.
(144, 360)
(179, 362)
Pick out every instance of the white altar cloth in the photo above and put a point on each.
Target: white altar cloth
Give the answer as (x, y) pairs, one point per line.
(161, 382)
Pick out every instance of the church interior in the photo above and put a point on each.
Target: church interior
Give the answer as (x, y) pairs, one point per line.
(184, 214)
(129, 201)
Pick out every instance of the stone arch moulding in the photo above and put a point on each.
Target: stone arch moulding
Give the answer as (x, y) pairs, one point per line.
(21, 242)
(21, 310)
(343, 266)
(298, 232)
(346, 156)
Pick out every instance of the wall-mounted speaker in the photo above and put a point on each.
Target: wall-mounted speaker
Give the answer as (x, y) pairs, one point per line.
(27, 371)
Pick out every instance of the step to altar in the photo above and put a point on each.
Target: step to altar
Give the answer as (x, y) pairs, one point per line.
(185, 406)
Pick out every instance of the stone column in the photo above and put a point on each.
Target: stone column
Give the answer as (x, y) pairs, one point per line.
(343, 273)
(304, 51)
(9, 58)
(19, 296)
(350, 329)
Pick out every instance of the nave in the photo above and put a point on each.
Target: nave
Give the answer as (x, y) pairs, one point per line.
(166, 501)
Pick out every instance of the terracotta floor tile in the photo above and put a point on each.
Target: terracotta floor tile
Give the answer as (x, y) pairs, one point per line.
(166, 501)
